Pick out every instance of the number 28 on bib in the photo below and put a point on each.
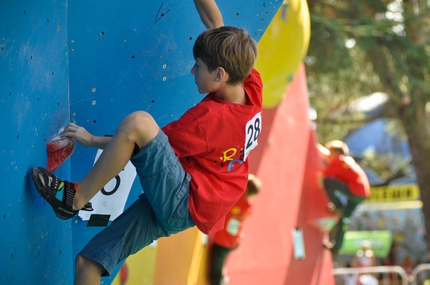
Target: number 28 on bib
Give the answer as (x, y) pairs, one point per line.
(253, 130)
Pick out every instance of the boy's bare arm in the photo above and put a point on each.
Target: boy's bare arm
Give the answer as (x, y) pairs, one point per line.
(209, 13)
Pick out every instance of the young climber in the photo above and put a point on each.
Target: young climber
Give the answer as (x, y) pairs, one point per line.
(345, 183)
(192, 170)
(229, 238)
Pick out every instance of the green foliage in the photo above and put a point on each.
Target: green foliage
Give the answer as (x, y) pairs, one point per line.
(360, 47)
(327, 47)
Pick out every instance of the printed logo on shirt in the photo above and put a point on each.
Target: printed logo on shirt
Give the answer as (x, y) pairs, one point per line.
(235, 210)
(232, 155)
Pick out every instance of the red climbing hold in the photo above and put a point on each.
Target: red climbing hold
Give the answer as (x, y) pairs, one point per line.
(59, 148)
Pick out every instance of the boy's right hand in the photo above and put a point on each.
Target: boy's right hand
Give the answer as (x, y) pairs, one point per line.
(78, 133)
(84, 137)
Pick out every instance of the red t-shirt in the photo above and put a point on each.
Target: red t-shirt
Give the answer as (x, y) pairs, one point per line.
(345, 169)
(232, 234)
(212, 141)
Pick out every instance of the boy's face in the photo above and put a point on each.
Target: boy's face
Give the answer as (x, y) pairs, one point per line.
(205, 80)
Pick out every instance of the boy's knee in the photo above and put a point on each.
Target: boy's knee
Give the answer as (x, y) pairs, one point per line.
(138, 118)
(140, 126)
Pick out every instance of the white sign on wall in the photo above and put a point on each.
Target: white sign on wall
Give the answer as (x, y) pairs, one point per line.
(111, 199)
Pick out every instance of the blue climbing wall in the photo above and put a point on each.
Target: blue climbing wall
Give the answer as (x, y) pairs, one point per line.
(34, 104)
(91, 62)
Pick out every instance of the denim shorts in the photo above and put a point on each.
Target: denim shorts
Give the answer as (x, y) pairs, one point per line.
(160, 211)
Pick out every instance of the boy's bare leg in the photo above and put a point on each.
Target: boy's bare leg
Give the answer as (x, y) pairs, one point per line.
(87, 272)
(137, 128)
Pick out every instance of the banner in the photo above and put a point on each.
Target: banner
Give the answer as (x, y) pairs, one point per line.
(380, 241)
(392, 193)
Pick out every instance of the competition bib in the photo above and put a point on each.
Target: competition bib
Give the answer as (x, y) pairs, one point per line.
(233, 226)
(252, 130)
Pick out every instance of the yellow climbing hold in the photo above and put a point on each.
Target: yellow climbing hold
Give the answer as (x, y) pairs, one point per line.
(282, 48)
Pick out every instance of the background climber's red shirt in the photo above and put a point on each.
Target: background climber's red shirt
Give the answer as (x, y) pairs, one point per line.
(345, 169)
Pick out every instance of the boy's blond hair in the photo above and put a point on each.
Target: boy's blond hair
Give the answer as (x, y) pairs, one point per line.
(228, 47)
(339, 146)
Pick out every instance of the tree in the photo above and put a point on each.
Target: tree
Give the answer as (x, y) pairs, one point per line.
(359, 47)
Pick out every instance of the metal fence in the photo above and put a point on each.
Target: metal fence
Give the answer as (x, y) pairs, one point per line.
(383, 275)
(378, 275)
(420, 275)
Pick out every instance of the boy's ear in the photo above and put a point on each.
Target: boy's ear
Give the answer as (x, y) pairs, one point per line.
(220, 74)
